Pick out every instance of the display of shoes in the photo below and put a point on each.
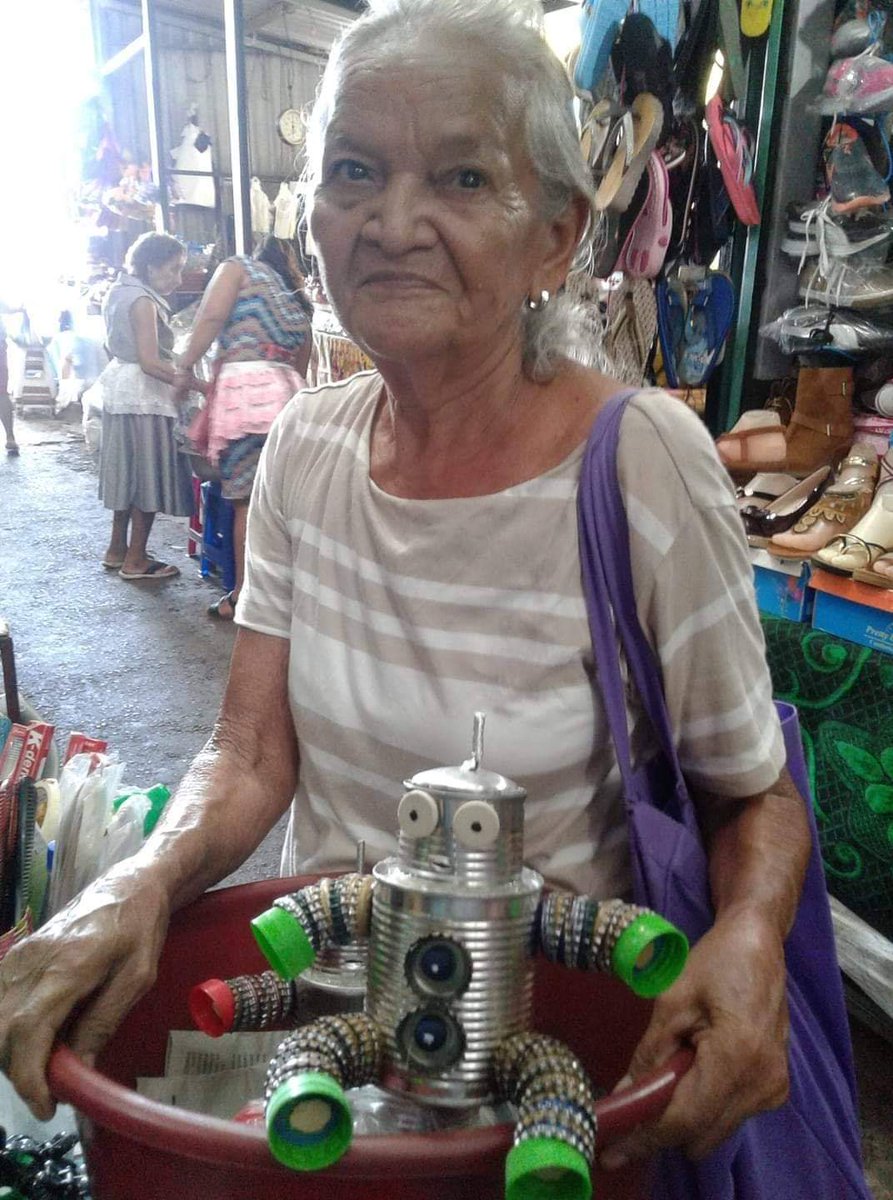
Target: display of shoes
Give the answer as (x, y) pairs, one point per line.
(852, 177)
(836, 511)
(763, 523)
(870, 537)
(863, 84)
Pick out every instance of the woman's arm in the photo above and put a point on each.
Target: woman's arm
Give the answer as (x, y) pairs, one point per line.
(213, 313)
(730, 1002)
(85, 968)
(144, 321)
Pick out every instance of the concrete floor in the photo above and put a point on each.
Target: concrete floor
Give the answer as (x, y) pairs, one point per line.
(142, 665)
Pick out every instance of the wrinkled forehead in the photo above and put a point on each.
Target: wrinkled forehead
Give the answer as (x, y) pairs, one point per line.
(452, 90)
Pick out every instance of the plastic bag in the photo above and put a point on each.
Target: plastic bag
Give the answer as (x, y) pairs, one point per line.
(814, 329)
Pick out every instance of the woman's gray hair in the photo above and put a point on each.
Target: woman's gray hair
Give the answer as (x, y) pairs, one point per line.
(510, 31)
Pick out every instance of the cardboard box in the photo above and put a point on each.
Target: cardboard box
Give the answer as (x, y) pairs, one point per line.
(781, 586)
(857, 612)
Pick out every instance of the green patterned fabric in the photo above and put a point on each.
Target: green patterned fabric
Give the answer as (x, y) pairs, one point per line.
(844, 694)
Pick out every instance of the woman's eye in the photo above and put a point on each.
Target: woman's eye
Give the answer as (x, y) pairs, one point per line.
(470, 178)
(349, 170)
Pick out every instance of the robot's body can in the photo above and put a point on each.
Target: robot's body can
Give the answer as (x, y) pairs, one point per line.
(452, 940)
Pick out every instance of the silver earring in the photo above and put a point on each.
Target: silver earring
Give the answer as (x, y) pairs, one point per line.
(537, 304)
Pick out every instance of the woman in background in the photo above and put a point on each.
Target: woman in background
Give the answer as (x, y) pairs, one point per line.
(141, 472)
(256, 311)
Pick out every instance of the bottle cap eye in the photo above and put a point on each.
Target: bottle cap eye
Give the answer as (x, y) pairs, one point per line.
(476, 825)
(418, 814)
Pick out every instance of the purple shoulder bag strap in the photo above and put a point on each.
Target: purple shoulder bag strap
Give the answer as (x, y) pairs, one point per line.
(810, 1148)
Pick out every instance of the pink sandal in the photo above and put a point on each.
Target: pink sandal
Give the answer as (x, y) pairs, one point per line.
(733, 146)
(646, 244)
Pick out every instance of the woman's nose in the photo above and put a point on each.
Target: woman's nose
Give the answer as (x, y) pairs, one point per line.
(399, 220)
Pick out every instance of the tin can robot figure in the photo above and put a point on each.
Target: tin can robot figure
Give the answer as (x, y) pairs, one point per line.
(453, 924)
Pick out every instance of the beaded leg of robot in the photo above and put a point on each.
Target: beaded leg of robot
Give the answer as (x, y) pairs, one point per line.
(452, 925)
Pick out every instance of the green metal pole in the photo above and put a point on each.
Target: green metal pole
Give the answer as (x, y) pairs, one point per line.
(737, 358)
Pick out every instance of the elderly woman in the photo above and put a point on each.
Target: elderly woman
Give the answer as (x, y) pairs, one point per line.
(141, 472)
(412, 555)
(255, 311)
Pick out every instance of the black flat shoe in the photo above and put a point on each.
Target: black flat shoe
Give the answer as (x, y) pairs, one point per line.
(762, 524)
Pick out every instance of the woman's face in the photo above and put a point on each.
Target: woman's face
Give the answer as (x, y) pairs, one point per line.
(166, 278)
(427, 216)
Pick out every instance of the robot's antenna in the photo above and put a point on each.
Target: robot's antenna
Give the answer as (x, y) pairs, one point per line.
(477, 743)
(361, 857)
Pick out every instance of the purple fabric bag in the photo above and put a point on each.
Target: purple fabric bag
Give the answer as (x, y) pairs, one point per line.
(810, 1148)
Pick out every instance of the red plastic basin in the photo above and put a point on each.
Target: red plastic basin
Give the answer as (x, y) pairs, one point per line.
(138, 1149)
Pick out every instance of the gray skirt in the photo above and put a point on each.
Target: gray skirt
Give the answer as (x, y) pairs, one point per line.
(140, 466)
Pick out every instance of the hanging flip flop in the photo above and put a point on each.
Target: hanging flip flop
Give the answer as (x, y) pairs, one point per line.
(671, 312)
(755, 17)
(599, 25)
(638, 136)
(599, 136)
(733, 146)
(711, 311)
(645, 247)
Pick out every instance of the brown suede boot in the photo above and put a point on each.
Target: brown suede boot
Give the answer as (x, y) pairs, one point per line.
(821, 427)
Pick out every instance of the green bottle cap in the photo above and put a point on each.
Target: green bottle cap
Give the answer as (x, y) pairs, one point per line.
(546, 1169)
(309, 1122)
(649, 955)
(283, 942)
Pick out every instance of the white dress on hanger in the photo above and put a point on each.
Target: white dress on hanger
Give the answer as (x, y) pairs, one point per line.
(189, 189)
(286, 209)
(261, 209)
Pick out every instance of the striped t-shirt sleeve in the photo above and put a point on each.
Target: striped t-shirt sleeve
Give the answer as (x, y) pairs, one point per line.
(695, 599)
(265, 601)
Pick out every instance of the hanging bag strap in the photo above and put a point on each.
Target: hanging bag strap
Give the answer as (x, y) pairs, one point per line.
(610, 598)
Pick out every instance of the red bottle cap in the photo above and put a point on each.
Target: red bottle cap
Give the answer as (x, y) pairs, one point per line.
(212, 1007)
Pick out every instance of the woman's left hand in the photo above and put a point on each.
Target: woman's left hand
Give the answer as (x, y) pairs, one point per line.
(730, 1006)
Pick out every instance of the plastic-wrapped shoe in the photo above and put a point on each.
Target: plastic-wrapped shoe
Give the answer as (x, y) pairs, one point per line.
(814, 227)
(857, 35)
(858, 85)
(852, 177)
(848, 286)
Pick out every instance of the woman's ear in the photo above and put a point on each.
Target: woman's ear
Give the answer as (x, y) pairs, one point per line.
(565, 232)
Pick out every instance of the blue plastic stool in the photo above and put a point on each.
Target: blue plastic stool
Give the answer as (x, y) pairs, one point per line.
(218, 554)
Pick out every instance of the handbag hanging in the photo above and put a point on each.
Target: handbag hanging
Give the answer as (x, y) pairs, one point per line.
(810, 1147)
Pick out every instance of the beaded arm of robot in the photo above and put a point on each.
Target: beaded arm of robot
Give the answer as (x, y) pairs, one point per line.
(452, 925)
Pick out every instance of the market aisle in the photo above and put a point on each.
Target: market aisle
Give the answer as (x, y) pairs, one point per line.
(142, 664)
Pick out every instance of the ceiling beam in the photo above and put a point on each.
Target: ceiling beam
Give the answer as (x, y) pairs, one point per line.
(123, 56)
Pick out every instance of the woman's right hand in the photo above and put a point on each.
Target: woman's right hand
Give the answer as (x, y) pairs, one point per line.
(80, 974)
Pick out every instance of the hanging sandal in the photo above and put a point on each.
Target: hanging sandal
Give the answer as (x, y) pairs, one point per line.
(218, 611)
(638, 135)
(733, 146)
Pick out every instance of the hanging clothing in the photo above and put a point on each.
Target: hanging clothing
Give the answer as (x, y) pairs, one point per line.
(286, 209)
(193, 154)
(261, 209)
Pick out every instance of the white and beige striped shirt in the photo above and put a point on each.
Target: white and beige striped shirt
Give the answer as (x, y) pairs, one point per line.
(406, 616)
